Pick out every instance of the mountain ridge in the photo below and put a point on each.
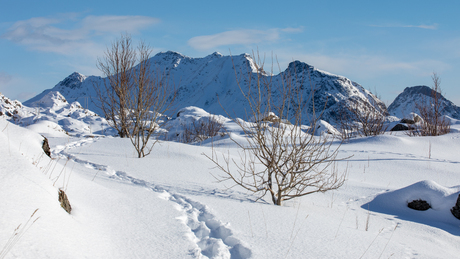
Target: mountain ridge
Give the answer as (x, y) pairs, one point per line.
(211, 83)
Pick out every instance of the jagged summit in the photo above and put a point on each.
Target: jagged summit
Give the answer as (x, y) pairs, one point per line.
(216, 54)
(405, 102)
(296, 67)
(73, 80)
(169, 55)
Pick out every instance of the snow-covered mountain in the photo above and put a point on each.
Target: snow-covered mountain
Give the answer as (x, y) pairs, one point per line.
(211, 83)
(405, 102)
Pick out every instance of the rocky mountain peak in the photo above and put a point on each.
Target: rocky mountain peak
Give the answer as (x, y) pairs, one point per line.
(406, 102)
(73, 81)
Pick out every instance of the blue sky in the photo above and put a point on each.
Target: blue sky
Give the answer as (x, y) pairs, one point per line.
(383, 45)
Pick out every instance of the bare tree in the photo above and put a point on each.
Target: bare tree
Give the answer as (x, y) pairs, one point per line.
(279, 158)
(148, 101)
(433, 123)
(117, 65)
(133, 98)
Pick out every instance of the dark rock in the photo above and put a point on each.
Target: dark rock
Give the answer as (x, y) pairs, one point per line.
(65, 204)
(419, 205)
(456, 209)
(408, 121)
(46, 147)
(400, 127)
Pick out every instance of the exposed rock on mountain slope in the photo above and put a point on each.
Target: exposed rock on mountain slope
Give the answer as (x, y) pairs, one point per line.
(13, 110)
(405, 102)
(211, 83)
(52, 114)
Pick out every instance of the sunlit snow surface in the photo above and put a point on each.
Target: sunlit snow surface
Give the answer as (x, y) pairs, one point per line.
(169, 204)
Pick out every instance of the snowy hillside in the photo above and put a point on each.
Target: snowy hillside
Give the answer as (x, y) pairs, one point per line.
(405, 103)
(210, 83)
(53, 114)
(169, 204)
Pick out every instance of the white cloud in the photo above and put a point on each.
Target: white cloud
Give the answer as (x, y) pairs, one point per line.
(238, 37)
(363, 66)
(293, 30)
(48, 34)
(421, 26)
(117, 24)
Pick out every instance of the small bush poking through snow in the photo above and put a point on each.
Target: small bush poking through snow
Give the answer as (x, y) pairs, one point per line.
(202, 129)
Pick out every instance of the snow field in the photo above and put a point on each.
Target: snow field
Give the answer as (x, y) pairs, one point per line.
(169, 205)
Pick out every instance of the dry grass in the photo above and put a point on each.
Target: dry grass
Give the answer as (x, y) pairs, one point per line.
(18, 232)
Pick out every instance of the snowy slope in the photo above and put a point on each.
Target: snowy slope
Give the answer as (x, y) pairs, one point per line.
(169, 204)
(405, 103)
(210, 83)
(53, 114)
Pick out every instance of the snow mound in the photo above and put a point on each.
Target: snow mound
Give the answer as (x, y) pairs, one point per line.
(323, 127)
(189, 117)
(440, 198)
(52, 99)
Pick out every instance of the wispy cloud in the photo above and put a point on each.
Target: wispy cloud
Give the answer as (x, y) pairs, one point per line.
(363, 66)
(421, 26)
(4, 78)
(117, 24)
(50, 34)
(238, 37)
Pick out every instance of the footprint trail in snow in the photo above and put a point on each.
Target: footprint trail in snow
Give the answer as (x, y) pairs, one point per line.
(213, 238)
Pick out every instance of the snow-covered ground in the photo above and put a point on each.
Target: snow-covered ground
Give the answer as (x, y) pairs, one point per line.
(169, 205)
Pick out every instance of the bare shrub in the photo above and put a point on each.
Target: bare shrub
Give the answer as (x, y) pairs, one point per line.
(202, 129)
(362, 119)
(279, 158)
(433, 123)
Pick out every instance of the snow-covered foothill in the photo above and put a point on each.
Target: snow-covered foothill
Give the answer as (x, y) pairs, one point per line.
(53, 114)
(407, 101)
